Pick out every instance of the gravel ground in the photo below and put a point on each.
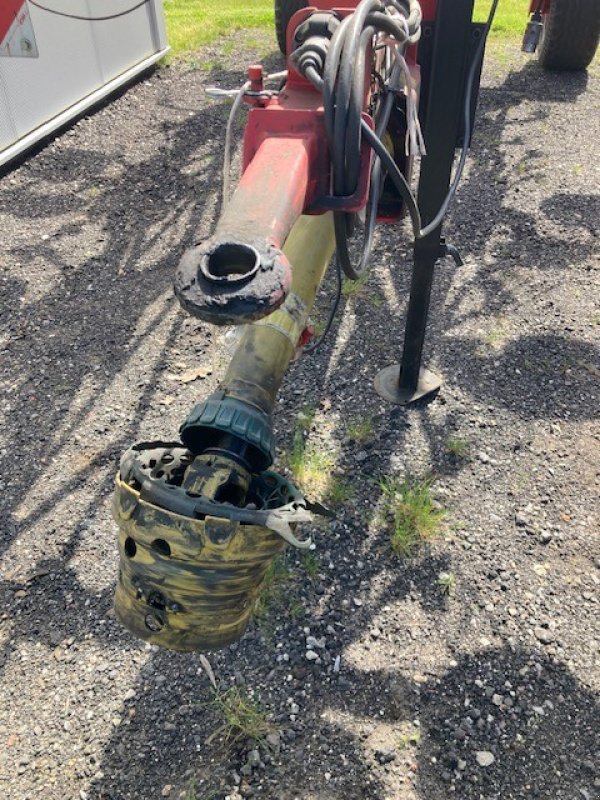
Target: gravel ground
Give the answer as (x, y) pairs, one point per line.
(489, 693)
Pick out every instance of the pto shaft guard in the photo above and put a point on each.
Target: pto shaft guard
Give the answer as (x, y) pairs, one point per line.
(189, 580)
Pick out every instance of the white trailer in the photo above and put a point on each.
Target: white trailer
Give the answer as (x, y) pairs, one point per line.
(60, 57)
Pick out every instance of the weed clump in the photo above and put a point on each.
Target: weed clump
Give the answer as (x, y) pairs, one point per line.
(411, 511)
(242, 716)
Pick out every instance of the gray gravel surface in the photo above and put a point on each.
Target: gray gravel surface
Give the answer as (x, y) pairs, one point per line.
(489, 693)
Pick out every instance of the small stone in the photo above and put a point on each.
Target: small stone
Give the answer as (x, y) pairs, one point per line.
(483, 457)
(497, 699)
(520, 520)
(545, 537)
(274, 742)
(253, 758)
(357, 602)
(385, 756)
(312, 656)
(337, 664)
(484, 758)
(543, 635)
(166, 790)
(375, 633)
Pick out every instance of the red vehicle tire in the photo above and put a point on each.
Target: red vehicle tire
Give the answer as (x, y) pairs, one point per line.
(570, 36)
(284, 11)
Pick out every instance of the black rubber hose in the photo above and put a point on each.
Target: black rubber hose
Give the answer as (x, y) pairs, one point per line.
(397, 177)
(343, 87)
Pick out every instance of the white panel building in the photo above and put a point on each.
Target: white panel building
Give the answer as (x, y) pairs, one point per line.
(59, 57)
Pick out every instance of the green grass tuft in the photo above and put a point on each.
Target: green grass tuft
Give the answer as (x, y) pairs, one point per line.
(338, 492)
(311, 464)
(242, 716)
(413, 513)
(310, 563)
(194, 23)
(457, 447)
(447, 583)
(360, 429)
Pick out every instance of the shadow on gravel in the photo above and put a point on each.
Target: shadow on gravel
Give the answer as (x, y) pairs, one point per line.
(93, 309)
(486, 218)
(43, 614)
(535, 377)
(539, 723)
(83, 332)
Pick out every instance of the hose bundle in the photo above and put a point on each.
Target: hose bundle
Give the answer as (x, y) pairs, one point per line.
(342, 81)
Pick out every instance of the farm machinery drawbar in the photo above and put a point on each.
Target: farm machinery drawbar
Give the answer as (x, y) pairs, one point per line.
(329, 147)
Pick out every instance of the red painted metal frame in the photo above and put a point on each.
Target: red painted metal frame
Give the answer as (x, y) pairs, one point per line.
(296, 113)
(286, 161)
(534, 4)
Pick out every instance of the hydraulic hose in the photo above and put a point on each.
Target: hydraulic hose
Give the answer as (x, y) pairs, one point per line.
(342, 84)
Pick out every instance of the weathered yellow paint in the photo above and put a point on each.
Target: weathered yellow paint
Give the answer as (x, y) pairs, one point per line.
(189, 584)
(267, 346)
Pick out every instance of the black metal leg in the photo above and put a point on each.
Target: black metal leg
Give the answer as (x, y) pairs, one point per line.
(408, 381)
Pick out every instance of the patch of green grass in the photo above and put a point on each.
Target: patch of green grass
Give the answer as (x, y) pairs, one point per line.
(339, 491)
(310, 563)
(360, 429)
(447, 583)
(242, 716)
(511, 16)
(413, 513)
(311, 467)
(521, 167)
(311, 464)
(305, 417)
(354, 288)
(457, 447)
(194, 23)
(319, 327)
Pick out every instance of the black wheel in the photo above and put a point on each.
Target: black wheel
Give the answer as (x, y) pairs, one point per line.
(284, 11)
(570, 37)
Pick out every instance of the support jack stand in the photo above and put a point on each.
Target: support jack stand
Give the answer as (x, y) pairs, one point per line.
(408, 381)
(389, 385)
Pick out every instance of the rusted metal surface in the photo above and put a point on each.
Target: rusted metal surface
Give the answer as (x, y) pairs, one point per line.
(269, 199)
(267, 347)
